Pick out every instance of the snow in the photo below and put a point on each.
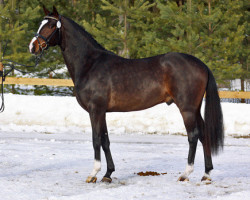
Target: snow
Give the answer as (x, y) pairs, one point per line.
(55, 166)
(53, 114)
(46, 153)
(236, 85)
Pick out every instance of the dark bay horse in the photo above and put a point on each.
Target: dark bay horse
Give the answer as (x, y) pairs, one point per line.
(105, 82)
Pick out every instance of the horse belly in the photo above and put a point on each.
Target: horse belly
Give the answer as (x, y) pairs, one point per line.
(128, 98)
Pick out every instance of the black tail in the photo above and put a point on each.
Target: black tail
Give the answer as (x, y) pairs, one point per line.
(214, 128)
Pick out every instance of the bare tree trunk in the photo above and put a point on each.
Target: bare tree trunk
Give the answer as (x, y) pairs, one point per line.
(123, 19)
(92, 12)
(180, 3)
(242, 81)
(1, 4)
(189, 6)
(125, 42)
(74, 3)
(209, 13)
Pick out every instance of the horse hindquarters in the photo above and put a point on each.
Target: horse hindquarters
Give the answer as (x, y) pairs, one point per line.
(189, 79)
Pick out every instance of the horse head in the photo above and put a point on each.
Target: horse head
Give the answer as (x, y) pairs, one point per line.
(49, 32)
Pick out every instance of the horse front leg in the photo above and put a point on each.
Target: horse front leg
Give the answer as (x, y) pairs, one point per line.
(109, 160)
(97, 118)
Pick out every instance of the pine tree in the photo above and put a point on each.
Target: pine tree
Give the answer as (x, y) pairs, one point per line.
(120, 29)
(244, 52)
(23, 18)
(181, 26)
(214, 31)
(13, 34)
(209, 30)
(221, 38)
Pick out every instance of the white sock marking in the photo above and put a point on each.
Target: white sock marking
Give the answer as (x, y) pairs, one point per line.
(189, 169)
(96, 169)
(207, 175)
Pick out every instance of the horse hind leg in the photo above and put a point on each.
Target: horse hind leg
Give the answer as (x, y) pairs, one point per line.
(207, 151)
(190, 121)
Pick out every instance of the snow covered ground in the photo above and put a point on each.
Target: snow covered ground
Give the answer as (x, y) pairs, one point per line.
(39, 166)
(46, 153)
(61, 114)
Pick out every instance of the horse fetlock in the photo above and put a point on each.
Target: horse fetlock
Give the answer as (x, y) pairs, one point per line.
(206, 178)
(111, 169)
(208, 169)
(96, 169)
(189, 169)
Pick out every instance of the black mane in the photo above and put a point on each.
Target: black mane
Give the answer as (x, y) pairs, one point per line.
(86, 34)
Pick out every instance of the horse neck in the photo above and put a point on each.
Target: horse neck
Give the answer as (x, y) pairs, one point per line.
(78, 47)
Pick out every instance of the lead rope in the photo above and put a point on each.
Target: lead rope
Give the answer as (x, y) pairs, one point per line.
(1, 74)
(2, 96)
(12, 66)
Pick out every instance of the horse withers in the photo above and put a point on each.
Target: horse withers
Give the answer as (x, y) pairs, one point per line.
(105, 82)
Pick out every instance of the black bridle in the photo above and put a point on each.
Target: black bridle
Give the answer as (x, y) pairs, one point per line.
(47, 40)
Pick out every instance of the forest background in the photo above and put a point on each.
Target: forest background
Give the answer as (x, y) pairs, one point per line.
(215, 31)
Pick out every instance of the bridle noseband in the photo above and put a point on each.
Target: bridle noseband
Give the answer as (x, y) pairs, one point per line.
(46, 40)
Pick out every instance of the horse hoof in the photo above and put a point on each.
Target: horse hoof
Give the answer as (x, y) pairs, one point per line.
(183, 179)
(91, 179)
(106, 180)
(206, 178)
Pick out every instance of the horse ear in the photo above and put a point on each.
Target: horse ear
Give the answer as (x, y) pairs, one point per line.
(55, 11)
(46, 11)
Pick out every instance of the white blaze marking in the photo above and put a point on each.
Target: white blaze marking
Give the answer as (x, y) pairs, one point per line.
(96, 169)
(39, 29)
(31, 43)
(45, 21)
